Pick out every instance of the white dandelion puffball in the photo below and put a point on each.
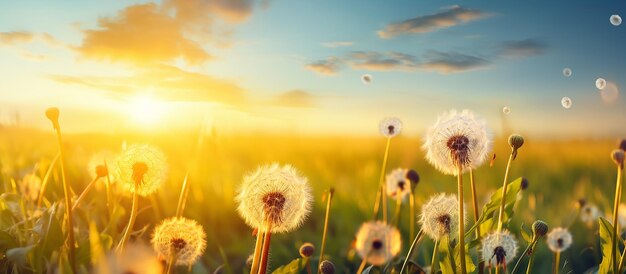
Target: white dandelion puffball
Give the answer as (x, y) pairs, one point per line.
(616, 20)
(134, 258)
(559, 239)
(141, 169)
(600, 83)
(506, 110)
(367, 79)
(398, 185)
(440, 216)
(276, 196)
(567, 72)
(390, 127)
(378, 242)
(566, 102)
(589, 213)
(457, 139)
(499, 249)
(183, 236)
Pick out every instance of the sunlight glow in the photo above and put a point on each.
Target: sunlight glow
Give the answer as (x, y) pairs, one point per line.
(146, 110)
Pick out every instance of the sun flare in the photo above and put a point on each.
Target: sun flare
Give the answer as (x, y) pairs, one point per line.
(146, 110)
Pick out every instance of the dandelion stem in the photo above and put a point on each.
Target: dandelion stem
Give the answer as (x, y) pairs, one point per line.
(46, 179)
(396, 218)
(414, 245)
(380, 195)
(84, 193)
(257, 251)
(433, 260)
(618, 191)
(362, 266)
(523, 255)
(411, 214)
(557, 259)
(531, 260)
(476, 216)
(461, 220)
(266, 250)
(107, 185)
(171, 261)
(68, 203)
(326, 218)
(131, 221)
(308, 266)
(504, 186)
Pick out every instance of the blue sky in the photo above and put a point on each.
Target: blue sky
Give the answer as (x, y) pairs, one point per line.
(295, 66)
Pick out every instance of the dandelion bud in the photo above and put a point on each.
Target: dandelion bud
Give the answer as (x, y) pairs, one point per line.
(524, 184)
(102, 171)
(540, 228)
(618, 157)
(516, 141)
(327, 267)
(307, 250)
(413, 177)
(622, 144)
(581, 202)
(53, 115)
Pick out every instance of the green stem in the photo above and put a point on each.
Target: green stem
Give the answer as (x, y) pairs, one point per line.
(396, 218)
(461, 220)
(557, 259)
(46, 178)
(131, 221)
(68, 205)
(84, 193)
(381, 195)
(531, 260)
(523, 255)
(433, 260)
(257, 251)
(481, 265)
(182, 199)
(618, 191)
(326, 218)
(504, 186)
(266, 250)
(415, 243)
(411, 215)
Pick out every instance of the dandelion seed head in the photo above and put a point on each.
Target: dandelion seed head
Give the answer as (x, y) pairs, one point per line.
(30, 186)
(559, 239)
(440, 216)
(134, 258)
(390, 127)
(183, 236)
(457, 138)
(615, 20)
(141, 168)
(589, 213)
(600, 83)
(567, 72)
(275, 194)
(566, 102)
(499, 248)
(378, 242)
(506, 110)
(307, 250)
(398, 185)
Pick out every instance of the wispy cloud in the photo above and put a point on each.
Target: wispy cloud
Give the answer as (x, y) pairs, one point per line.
(522, 48)
(16, 37)
(330, 66)
(450, 62)
(450, 17)
(337, 44)
(391, 61)
(295, 98)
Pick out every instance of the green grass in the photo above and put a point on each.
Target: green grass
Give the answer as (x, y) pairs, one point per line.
(559, 172)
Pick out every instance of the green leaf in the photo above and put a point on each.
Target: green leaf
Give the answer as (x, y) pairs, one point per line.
(469, 264)
(294, 267)
(446, 264)
(526, 234)
(6, 241)
(19, 255)
(370, 270)
(50, 232)
(493, 207)
(606, 234)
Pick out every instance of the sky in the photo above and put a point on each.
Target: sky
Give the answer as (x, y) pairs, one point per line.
(296, 67)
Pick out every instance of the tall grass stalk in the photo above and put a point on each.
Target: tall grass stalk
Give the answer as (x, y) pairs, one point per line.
(46, 179)
(381, 195)
(414, 245)
(411, 214)
(618, 191)
(84, 193)
(331, 192)
(504, 187)
(481, 264)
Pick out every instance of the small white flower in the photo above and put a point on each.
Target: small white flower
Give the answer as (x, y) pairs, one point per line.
(589, 213)
(559, 239)
(457, 139)
(378, 242)
(440, 216)
(398, 185)
(499, 248)
(390, 127)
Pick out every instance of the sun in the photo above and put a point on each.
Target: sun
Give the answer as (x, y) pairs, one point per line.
(146, 110)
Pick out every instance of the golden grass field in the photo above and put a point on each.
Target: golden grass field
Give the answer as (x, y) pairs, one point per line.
(559, 171)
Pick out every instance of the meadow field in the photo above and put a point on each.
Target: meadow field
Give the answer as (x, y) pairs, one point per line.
(559, 172)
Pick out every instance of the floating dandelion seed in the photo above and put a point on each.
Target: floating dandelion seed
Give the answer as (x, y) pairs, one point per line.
(566, 102)
(440, 216)
(30, 186)
(600, 83)
(567, 72)
(135, 258)
(367, 79)
(499, 248)
(141, 168)
(378, 242)
(616, 20)
(559, 239)
(275, 195)
(457, 139)
(589, 213)
(390, 127)
(183, 236)
(506, 110)
(398, 183)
